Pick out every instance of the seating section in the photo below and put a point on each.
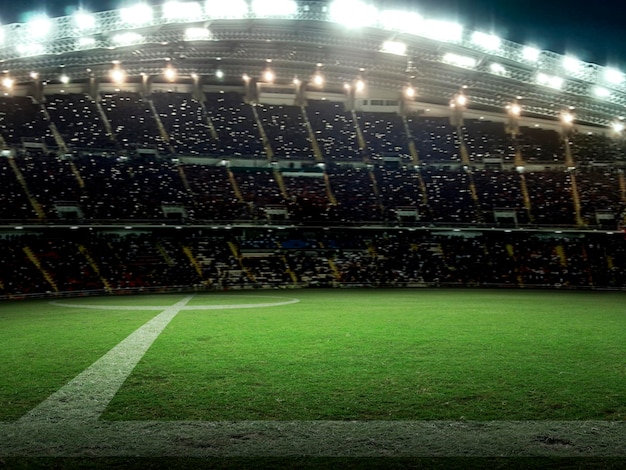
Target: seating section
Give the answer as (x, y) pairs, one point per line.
(78, 120)
(186, 123)
(23, 121)
(236, 126)
(286, 131)
(133, 121)
(435, 139)
(334, 130)
(384, 135)
(276, 258)
(299, 209)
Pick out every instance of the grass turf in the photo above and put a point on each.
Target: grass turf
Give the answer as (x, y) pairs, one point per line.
(388, 354)
(42, 347)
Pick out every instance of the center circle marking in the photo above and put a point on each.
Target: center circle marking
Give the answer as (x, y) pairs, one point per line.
(284, 301)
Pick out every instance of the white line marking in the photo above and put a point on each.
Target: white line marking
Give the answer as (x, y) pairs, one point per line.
(86, 396)
(284, 301)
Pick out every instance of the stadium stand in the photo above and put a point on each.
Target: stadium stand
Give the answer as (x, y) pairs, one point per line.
(234, 195)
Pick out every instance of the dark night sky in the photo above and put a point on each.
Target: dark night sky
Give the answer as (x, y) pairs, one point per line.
(592, 32)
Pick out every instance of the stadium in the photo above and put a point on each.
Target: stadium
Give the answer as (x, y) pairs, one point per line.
(307, 234)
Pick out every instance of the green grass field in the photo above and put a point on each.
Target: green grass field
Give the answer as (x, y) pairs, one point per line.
(335, 355)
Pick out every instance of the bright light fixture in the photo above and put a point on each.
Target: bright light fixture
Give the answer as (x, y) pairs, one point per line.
(514, 109)
(33, 49)
(550, 81)
(39, 26)
(174, 10)
(531, 54)
(601, 92)
(84, 20)
(7, 82)
(138, 14)
(64, 79)
(359, 85)
(394, 47)
(445, 31)
(226, 9)
(618, 127)
(219, 74)
(410, 92)
(274, 7)
(318, 80)
(398, 20)
(459, 60)
(85, 42)
(572, 64)
(170, 74)
(497, 69)
(117, 75)
(613, 76)
(197, 34)
(127, 39)
(353, 13)
(269, 76)
(490, 42)
(567, 118)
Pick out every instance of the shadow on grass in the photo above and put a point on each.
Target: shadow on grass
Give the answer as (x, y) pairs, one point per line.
(574, 463)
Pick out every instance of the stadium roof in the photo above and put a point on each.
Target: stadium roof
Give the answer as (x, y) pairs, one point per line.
(346, 39)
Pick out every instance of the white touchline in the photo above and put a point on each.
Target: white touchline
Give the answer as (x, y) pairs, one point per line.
(86, 396)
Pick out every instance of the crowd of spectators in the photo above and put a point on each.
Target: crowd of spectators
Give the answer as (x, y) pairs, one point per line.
(98, 261)
(125, 163)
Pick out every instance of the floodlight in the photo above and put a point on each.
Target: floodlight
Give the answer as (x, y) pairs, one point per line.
(269, 76)
(613, 76)
(459, 60)
(219, 74)
(410, 92)
(170, 73)
(197, 34)
(490, 42)
(460, 100)
(39, 26)
(33, 49)
(7, 82)
(274, 7)
(127, 39)
(84, 20)
(550, 81)
(397, 20)
(618, 127)
(353, 13)
(318, 80)
(359, 85)
(394, 47)
(245, 77)
(64, 79)
(514, 109)
(531, 54)
(85, 42)
(445, 31)
(174, 10)
(572, 64)
(117, 75)
(138, 14)
(601, 92)
(226, 9)
(567, 118)
(497, 69)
